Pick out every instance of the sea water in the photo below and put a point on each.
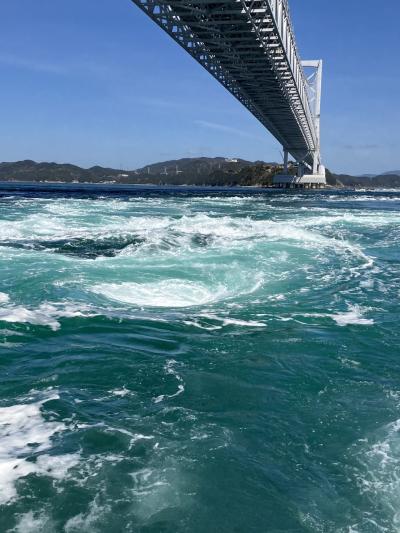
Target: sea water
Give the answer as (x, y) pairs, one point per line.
(186, 360)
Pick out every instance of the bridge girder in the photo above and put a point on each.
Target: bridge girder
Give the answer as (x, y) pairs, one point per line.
(249, 47)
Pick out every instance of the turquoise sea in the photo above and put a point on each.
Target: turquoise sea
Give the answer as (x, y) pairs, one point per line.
(200, 361)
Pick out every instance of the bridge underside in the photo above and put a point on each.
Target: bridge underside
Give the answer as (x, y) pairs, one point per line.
(249, 47)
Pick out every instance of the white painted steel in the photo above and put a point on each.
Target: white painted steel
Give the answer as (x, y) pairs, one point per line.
(249, 47)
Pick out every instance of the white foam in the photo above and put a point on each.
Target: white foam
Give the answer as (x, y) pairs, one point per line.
(162, 397)
(367, 284)
(197, 324)
(87, 521)
(169, 369)
(173, 234)
(353, 316)
(56, 466)
(243, 323)
(158, 487)
(4, 298)
(121, 392)
(11, 333)
(38, 317)
(226, 230)
(281, 297)
(139, 436)
(46, 314)
(375, 219)
(32, 523)
(23, 432)
(42, 227)
(222, 322)
(349, 362)
(165, 293)
(378, 474)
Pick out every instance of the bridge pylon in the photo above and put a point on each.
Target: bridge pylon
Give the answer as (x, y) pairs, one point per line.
(308, 176)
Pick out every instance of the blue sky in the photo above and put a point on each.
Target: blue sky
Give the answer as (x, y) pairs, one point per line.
(96, 82)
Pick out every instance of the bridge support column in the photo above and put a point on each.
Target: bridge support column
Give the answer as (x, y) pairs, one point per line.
(285, 161)
(315, 84)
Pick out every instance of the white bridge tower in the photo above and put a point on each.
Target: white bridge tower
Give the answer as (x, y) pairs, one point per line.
(308, 176)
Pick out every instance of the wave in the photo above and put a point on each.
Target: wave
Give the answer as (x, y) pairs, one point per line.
(170, 292)
(46, 314)
(378, 478)
(172, 258)
(375, 219)
(169, 369)
(26, 434)
(213, 322)
(353, 316)
(113, 234)
(81, 247)
(4, 298)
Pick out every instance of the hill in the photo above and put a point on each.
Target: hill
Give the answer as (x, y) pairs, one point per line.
(188, 171)
(217, 171)
(389, 173)
(31, 171)
(384, 181)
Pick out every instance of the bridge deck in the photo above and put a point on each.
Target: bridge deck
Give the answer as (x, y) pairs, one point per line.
(249, 47)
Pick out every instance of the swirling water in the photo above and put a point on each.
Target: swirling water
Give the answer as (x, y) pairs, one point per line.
(192, 361)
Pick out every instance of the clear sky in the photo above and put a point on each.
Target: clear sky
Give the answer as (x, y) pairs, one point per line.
(96, 82)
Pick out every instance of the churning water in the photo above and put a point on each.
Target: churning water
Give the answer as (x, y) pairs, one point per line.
(199, 362)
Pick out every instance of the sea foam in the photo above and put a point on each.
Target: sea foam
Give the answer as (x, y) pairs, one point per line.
(4, 298)
(378, 475)
(24, 433)
(165, 293)
(47, 314)
(353, 316)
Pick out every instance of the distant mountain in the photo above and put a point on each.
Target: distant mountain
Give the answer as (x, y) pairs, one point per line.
(216, 171)
(31, 171)
(188, 171)
(391, 173)
(383, 181)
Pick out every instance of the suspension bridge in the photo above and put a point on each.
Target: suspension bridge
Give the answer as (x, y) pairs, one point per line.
(249, 46)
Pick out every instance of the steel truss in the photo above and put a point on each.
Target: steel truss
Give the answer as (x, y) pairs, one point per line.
(249, 47)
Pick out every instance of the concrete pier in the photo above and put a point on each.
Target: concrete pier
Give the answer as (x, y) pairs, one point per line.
(308, 181)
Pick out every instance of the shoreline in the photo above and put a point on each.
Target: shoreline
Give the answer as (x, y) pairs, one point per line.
(153, 186)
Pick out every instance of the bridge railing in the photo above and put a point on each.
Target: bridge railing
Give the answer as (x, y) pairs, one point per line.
(249, 25)
(281, 14)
